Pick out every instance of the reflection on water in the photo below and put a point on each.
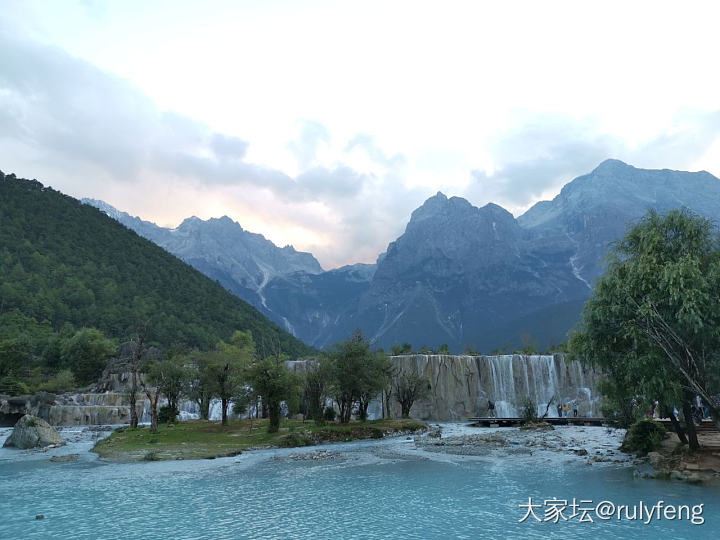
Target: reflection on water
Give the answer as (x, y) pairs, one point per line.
(372, 490)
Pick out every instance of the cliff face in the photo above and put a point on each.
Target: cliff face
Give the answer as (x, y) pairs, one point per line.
(460, 386)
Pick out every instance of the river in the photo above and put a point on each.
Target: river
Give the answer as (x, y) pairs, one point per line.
(373, 489)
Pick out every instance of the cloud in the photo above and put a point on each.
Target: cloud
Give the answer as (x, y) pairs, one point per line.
(313, 135)
(374, 152)
(543, 152)
(95, 134)
(68, 107)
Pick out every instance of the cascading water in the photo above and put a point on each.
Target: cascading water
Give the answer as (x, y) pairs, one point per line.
(463, 385)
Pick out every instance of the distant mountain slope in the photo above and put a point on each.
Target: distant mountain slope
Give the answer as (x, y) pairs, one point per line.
(595, 209)
(463, 275)
(64, 261)
(243, 262)
(459, 275)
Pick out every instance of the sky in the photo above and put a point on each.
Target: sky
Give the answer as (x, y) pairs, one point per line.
(325, 124)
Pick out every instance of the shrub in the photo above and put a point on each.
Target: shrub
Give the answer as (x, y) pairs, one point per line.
(528, 411)
(151, 456)
(329, 414)
(64, 381)
(643, 437)
(295, 439)
(12, 386)
(167, 414)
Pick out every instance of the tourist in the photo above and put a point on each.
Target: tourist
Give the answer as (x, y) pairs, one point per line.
(491, 409)
(559, 410)
(575, 411)
(566, 409)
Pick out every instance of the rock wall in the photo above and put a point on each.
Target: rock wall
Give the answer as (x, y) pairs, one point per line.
(70, 409)
(460, 386)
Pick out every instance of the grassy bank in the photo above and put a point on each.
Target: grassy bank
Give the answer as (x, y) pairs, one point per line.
(201, 439)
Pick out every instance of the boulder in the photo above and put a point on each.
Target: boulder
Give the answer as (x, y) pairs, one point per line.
(33, 432)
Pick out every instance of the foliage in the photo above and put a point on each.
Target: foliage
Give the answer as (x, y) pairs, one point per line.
(643, 436)
(329, 414)
(405, 348)
(65, 263)
(653, 321)
(63, 381)
(293, 440)
(87, 354)
(528, 410)
(226, 368)
(167, 414)
(357, 375)
(409, 387)
(275, 384)
(169, 376)
(316, 380)
(13, 386)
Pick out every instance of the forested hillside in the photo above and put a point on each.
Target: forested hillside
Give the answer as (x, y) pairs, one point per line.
(65, 265)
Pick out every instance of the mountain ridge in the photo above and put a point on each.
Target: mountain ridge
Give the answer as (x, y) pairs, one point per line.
(461, 274)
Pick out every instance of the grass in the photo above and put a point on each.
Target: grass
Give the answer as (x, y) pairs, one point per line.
(201, 439)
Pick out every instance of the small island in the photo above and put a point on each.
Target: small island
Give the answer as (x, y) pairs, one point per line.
(201, 439)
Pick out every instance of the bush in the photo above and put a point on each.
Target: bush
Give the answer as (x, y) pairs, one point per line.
(64, 381)
(167, 414)
(329, 414)
(12, 386)
(528, 411)
(295, 439)
(643, 437)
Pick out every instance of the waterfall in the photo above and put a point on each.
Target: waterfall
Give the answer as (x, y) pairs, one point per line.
(462, 385)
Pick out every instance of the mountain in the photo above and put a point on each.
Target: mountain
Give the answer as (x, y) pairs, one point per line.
(312, 305)
(595, 209)
(456, 274)
(68, 263)
(459, 274)
(243, 262)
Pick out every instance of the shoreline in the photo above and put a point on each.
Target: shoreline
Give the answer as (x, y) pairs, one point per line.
(209, 440)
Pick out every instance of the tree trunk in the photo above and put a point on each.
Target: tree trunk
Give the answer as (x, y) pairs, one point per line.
(154, 413)
(204, 405)
(274, 413)
(388, 403)
(133, 398)
(690, 425)
(679, 431)
(224, 411)
(406, 406)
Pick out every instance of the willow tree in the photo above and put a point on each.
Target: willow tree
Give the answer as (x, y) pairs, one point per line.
(653, 320)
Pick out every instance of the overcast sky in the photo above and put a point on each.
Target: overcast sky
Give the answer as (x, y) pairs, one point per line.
(324, 124)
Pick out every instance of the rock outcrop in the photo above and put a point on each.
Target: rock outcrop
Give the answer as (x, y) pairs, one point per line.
(33, 432)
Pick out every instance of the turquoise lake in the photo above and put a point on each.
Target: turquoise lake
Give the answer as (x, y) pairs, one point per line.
(368, 490)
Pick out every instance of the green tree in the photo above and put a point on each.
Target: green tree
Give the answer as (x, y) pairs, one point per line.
(405, 348)
(410, 386)
(316, 381)
(169, 376)
(198, 384)
(275, 384)
(86, 353)
(652, 323)
(357, 375)
(227, 366)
